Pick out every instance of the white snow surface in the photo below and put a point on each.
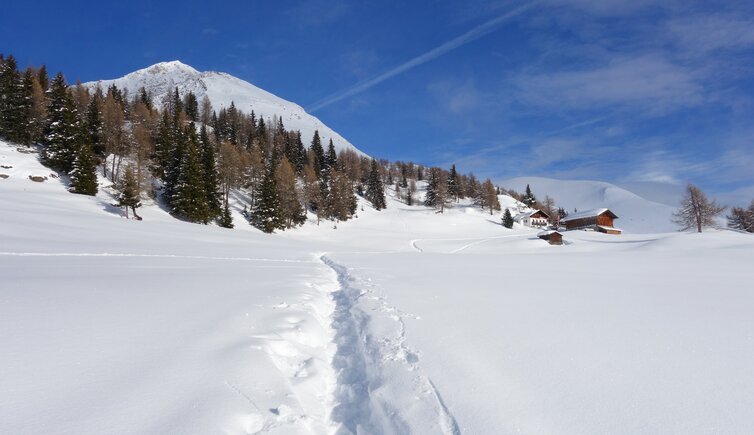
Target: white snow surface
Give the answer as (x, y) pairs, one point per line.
(400, 321)
(222, 89)
(635, 213)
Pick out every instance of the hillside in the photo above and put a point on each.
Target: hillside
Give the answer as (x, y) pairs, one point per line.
(636, 214)
(222, 89)
(398, 321)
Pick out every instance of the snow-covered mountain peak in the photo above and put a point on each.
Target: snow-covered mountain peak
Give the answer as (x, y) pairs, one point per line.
(222, 89)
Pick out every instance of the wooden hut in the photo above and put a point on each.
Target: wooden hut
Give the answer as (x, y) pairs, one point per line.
(600, 220)
(552, 237)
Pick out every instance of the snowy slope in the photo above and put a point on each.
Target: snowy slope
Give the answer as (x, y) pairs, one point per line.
(222, 89)
(399, 321)
(635, 214)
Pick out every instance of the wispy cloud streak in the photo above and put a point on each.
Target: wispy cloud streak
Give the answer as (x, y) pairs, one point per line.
(472, 35)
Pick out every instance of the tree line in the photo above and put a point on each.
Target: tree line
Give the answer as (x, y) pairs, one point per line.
(193, 158)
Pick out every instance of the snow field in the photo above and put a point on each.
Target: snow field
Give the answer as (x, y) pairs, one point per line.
(399, 321)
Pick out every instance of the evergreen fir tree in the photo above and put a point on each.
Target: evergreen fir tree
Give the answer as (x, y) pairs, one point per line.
(529, 198)
(209, 165)
(226, 219)
(453, 184)
(84, 172)
(15, 103)
(146, 99)
(129, 196)
(430, 194)
(331, 158)
(507, 219)
(266, 214)
(25, 126)
(62, 134)
(341, 201)
(94, 124)
(165, 145)
(189, 199)
(318, 154)
(375, 192)
(191, 105)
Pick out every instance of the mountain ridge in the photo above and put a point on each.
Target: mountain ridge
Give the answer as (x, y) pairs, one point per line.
(222, 89)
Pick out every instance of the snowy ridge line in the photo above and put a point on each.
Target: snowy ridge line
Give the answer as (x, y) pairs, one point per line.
(183, 257)
(374, 366)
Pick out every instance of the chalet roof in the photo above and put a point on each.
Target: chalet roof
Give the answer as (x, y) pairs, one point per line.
(589, 213)
(527, 214)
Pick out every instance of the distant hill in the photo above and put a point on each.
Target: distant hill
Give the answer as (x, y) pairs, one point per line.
(636, 214)
(222, 89)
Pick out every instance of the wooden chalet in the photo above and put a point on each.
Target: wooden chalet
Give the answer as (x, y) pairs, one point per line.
(600, 220)
(552, 237)
(534, 218)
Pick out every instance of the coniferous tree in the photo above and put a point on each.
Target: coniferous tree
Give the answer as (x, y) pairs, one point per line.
(43, 78)
(94, 124)
(454, 184)
(411, 192)
(15, 103)
(488, 197)
(84, 172)
(226, 219)
(318, 155)
(165, 144)
(291, 210)
(191, 105)
(209, 166)
(507, 219)
(129, 196)
(189, 199)
(696, 210)
(341, 201)
(146, 99)
(312, 192)
(25, 131)
(331, 158)
(375, 192)
(742, 218)
(437, 190)
(62, 134)
(529, 199)
(266, 214)
(38, 108)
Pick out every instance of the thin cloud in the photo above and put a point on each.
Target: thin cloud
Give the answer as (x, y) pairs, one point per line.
(471, 35)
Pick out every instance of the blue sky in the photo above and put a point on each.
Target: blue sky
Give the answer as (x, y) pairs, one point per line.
(620, 91)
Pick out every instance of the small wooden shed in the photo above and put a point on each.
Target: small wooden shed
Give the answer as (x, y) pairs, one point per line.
(600, 220)
(552, 237)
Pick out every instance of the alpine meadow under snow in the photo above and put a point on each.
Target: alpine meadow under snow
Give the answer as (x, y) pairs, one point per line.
(400, 320)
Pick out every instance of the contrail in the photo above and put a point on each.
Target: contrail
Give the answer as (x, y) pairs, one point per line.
(471, 35)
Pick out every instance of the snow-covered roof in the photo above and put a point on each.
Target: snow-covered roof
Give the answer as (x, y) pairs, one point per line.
(547, 233)
(609, 228)
(588, 214)
(527, 214)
